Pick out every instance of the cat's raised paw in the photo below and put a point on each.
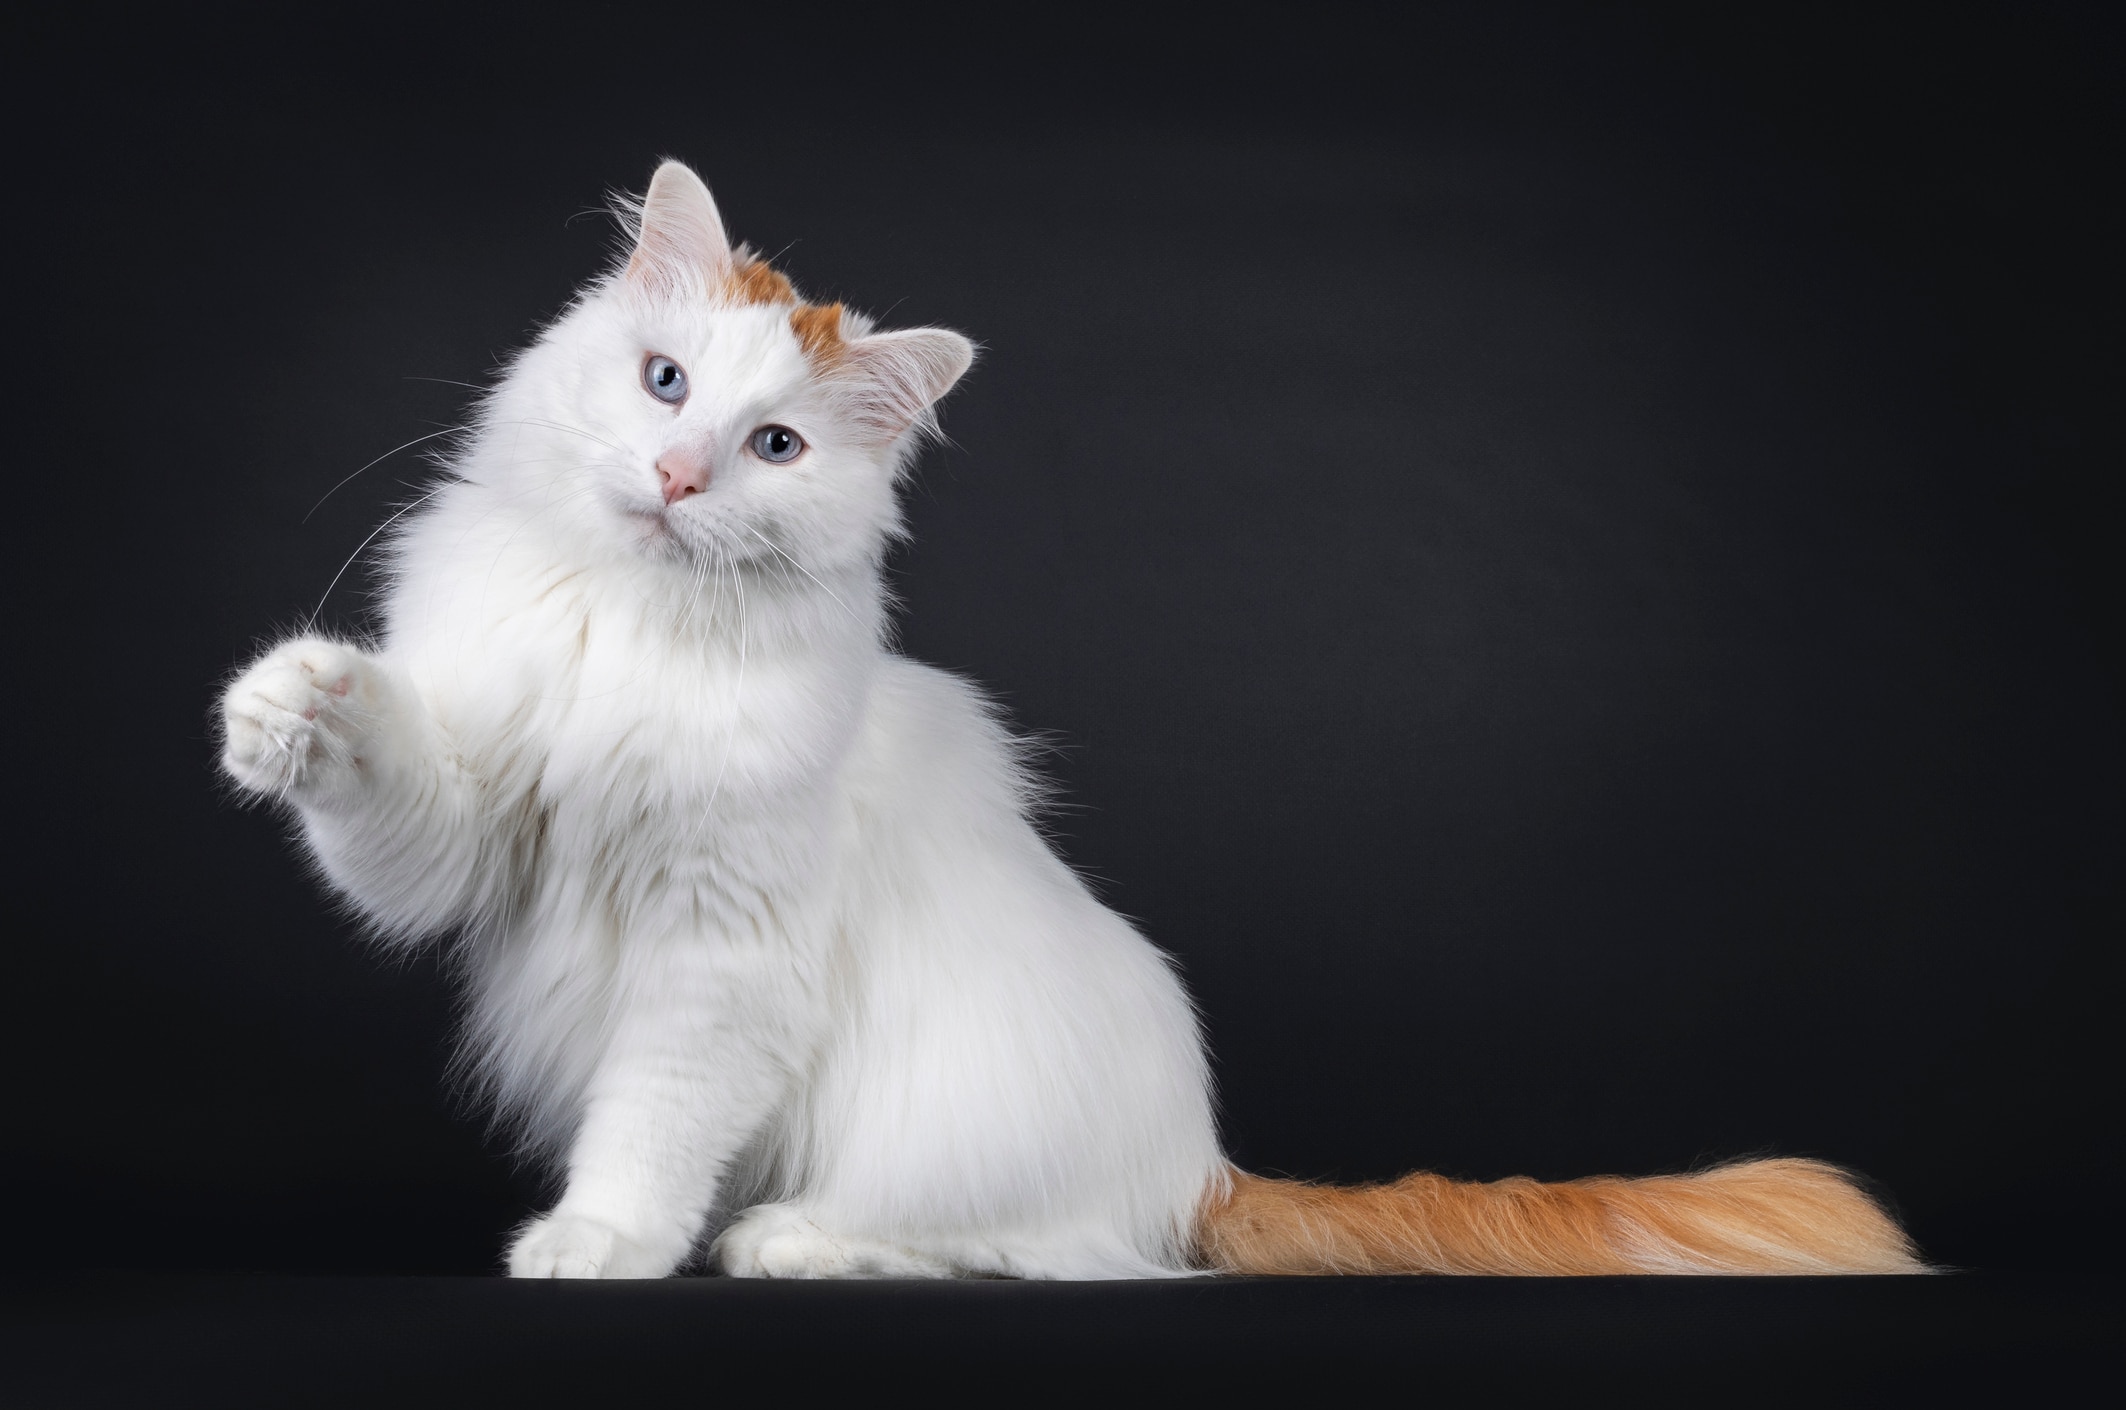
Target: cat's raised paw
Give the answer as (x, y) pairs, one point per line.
(295, 721)
(570, 1246)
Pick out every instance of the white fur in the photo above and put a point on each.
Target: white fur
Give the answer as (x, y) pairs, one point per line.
(751, 908)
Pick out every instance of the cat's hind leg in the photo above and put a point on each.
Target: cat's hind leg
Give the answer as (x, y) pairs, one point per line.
(783, 1241)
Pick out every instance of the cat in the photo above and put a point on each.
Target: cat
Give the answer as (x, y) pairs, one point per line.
(761, 945)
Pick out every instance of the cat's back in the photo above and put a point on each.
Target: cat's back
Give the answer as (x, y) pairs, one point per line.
(934, 745)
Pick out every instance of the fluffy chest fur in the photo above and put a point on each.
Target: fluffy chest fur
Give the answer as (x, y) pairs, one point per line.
(641, 723)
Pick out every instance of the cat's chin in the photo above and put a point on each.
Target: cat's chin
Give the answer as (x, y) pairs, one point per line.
(650, 533)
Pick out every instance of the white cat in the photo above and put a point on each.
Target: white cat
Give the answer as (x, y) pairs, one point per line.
(757, 930)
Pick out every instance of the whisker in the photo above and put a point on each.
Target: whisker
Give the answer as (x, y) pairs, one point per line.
(400, 514)
(696, 581)
(802, 569)
(738, 690)
(563, 426)
(374, 463)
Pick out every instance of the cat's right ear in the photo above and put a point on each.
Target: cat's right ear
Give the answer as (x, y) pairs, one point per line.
(681, 241)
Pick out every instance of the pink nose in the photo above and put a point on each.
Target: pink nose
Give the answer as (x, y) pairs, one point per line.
(682, 475)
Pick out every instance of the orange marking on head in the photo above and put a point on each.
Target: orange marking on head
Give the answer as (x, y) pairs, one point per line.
(819, 330)
(818, 327)
(755, 281)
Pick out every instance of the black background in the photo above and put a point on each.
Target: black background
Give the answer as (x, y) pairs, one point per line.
(1565, 554)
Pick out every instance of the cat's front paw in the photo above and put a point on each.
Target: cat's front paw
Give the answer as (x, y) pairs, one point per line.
(570, 1246)
(296, 722)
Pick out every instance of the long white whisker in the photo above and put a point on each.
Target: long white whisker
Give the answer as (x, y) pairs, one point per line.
(697, 580)
(716, 605)
(563, 426)
(402, 512)
(372, 465)
(738, 690)
(801, 568)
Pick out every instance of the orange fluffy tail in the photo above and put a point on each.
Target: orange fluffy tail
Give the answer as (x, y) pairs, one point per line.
(1759, 1216)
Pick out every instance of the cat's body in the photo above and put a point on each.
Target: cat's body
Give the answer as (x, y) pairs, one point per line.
(753, 883)
(757, 926)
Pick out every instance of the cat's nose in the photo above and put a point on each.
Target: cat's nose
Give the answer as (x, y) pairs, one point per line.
(682, 474)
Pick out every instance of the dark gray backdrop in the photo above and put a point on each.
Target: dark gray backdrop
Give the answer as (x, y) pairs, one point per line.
(1562, 557)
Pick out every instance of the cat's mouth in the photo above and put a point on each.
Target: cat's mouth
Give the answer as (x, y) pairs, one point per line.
(652, 526)
(659, 532)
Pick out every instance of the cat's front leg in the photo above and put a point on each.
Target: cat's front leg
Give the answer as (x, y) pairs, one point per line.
(642, 1176)
(700, 1055)
(386, 807)
(562, 1245)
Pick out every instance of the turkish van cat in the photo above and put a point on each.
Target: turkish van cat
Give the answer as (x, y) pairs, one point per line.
(761, 946)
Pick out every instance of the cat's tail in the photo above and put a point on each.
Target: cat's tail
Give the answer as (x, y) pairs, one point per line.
(1757, 1216)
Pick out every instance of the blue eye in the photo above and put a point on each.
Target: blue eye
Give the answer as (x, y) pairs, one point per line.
(778, 445)
(666, 379)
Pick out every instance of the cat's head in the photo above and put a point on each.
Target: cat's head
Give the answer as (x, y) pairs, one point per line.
(692, 407)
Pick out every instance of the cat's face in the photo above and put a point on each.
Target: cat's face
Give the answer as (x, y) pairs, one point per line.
(693, 410)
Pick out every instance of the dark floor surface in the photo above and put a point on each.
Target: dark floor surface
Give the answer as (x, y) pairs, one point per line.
(227, 1340)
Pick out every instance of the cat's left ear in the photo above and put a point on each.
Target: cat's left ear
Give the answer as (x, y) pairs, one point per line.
(682, 239)
(895, 378)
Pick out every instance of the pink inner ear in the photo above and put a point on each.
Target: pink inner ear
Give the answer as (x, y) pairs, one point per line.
(682, 236)
(898, 376)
